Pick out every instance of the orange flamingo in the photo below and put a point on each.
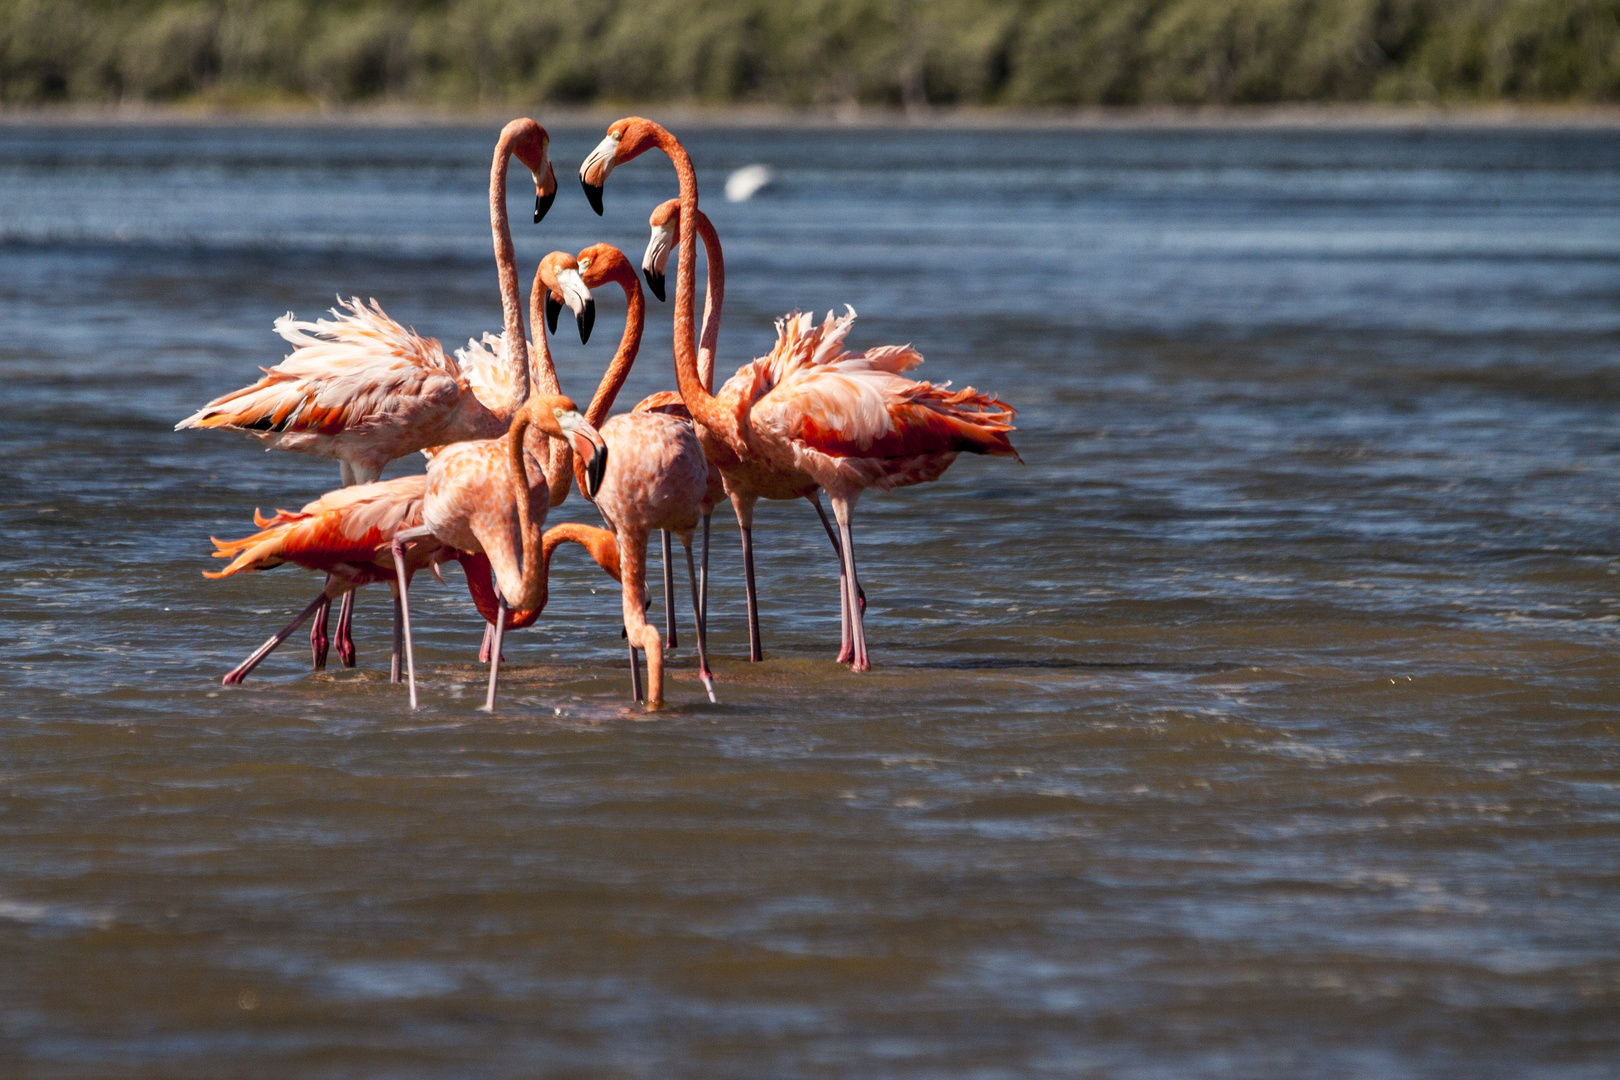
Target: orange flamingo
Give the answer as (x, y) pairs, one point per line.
(365, 390)
(650, 470)
(483, 497)
(741, 484)
(345, 534)
(839, 421)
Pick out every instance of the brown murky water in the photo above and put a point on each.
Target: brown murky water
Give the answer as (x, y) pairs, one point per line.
(1263, 724)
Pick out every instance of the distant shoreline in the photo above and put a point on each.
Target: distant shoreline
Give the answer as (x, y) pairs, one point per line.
(1305, 116)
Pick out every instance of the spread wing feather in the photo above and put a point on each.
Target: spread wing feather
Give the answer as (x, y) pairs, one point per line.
(345, 374)
(860, 405)
(347, 525)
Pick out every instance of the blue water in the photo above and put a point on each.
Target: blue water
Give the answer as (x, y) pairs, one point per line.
(1263, 724)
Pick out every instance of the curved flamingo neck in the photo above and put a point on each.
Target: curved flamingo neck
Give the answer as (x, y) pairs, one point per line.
(629, 343)
(532, 592)
(705, 408)
(517, 351)
(598, 542)
(544, 376)
(714, 297)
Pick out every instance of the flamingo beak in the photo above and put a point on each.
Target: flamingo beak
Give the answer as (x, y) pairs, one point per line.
(659, 245)
(578, 298)
(545, 192)
(593, 171)
(553, 309)
(589, 445)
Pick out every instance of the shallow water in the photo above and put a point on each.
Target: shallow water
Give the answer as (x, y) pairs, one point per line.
(1264, 723)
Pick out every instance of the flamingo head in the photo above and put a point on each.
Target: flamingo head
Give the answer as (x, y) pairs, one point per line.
(602, 263)
(559, 274)
(532, 145)
(666, 227)
(560, 418)
(626, 140)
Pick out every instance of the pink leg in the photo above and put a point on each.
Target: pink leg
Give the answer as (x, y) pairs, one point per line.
(755, 653)
(495, 654)
(240, 671)
(317, 636)
(489, 641)
(669, 593)
(846, 637)
(345, 640)
(402, 582)
(399, 638)
(697, 615)
(843, 510)
(703, 579)
(635, 674)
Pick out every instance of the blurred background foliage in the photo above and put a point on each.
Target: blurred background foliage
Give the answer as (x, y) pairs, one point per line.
(459, 53)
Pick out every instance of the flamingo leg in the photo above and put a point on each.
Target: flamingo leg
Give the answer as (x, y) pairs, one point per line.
(405, 608)
(317, 635)
(344, 639)
(697, 615)
(755, 653)
(669, 591)
(844, 510)
(399, 639)
(815, 501)
(635, 673)
(240, 671)
(495, 653)
(846, 638)
(703, 581)
(483, 648)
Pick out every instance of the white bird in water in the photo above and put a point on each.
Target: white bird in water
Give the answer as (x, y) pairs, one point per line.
(747, 182)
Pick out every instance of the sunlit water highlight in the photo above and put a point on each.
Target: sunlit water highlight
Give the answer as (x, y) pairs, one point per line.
(1262, 724)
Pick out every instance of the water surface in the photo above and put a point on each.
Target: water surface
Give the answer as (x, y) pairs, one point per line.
(1264, 723)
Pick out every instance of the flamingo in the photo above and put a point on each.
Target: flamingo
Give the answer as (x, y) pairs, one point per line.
(738, 483)
(839, 421)
(345, 534)
(656, 476)
(365, 390)
(482, 497)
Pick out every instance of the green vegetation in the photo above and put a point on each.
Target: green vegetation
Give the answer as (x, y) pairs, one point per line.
(251, 53)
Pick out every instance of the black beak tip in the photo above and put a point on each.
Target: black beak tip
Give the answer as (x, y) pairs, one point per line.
(542, 203)
(553, 309)
(595, 469)
(593, 192)
(586, 320)
(655, 282)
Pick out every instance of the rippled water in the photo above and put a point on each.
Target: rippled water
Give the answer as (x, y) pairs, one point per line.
(1263, 724)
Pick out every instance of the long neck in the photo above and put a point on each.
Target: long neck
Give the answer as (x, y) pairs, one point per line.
(558, 455)
(703, 405)
(517, 351)
(713, 298)
(618, 369)
(599, 542)
(532, 593)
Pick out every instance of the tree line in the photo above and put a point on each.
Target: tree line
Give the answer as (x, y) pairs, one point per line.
(1023, 53)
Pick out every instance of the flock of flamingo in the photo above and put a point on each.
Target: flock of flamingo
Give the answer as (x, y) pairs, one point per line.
(504, 444)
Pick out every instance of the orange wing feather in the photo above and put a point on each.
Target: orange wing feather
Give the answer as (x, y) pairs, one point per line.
(351, 525)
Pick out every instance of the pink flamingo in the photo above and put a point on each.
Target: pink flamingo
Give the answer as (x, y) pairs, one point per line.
(655, 477)
(839, 421)
(365, 390)
(744, 484)
(344, 534)
(483, 497)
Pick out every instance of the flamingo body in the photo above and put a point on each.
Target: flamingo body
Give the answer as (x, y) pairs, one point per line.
(363, 389)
